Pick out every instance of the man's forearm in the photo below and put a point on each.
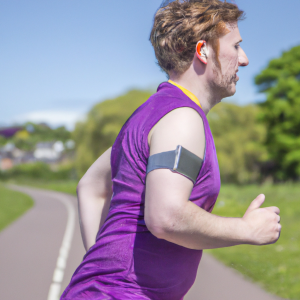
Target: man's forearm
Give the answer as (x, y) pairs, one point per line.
(94, 192)
(195, 228)
(184, 223)
(93, 210)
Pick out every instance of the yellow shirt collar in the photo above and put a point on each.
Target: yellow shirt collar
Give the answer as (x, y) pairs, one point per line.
(187, 92)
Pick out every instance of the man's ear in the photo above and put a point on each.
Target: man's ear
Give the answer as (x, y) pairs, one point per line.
(202, 51)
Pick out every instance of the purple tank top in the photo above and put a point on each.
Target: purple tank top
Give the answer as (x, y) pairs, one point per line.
(127, 261)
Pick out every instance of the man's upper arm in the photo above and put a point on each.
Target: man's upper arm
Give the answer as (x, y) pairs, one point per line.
(167, 191)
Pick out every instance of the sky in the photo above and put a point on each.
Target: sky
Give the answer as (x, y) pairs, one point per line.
(60, 57)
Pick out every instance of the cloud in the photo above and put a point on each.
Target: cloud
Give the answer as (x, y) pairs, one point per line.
(53, 118)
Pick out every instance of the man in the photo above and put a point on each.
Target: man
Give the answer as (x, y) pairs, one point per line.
(157, 221)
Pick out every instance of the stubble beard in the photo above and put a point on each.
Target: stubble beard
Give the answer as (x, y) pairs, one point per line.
(224, 84)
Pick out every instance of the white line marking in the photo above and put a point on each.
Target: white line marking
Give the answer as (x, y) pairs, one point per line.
(58, 275)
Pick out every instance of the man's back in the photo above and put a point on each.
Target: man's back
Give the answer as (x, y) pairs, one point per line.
(127, 258)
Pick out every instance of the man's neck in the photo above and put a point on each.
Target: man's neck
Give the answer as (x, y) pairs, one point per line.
(198, 85)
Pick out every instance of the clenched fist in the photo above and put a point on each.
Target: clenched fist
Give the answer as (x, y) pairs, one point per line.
(262, 224)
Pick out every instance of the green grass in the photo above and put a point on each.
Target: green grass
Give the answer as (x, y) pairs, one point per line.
(65, 186)
(275, 267)
(12, 205)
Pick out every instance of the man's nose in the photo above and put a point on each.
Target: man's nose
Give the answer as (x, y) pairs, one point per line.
(243, 59)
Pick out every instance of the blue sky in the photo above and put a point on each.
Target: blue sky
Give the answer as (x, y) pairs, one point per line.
(60, 57)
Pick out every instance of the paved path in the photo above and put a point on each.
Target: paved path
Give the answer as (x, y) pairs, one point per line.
(35, 261)
(31, 246)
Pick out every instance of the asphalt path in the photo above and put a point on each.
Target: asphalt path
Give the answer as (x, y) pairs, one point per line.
(40, 251)
(33, 250)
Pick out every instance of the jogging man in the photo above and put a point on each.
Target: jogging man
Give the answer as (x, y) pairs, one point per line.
(152, 193)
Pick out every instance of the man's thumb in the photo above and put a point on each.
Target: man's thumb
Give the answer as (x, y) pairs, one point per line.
(256, 203)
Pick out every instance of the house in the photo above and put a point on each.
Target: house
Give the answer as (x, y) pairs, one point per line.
(48, 151)
(10, 155)
(6, 163)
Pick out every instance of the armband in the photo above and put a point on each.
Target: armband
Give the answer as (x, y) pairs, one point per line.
(181, 161)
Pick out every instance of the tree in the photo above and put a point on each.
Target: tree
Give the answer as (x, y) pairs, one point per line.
(281, 113)
(27, 139)
(239, 142)
(102, 125)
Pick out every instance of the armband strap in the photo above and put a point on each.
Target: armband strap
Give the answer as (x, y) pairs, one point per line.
(180, 160)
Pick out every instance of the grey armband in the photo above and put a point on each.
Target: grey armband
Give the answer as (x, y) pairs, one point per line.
(180, 160)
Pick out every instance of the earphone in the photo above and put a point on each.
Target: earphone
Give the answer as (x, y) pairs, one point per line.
(202, 51)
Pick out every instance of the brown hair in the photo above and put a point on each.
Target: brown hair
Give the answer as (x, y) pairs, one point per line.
(179, 25)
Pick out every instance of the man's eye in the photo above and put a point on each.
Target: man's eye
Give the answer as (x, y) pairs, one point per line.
(237, 46)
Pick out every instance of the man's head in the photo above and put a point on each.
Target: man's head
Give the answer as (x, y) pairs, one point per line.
(223, 66)
(189, 30)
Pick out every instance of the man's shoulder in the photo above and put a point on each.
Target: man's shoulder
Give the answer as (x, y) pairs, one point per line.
(181, 126)
(181, 121)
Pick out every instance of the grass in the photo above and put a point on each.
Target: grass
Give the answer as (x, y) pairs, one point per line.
(275, 267)
(65, 186)
(12, 205)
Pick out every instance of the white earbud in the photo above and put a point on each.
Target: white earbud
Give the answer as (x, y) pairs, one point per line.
(204, 50)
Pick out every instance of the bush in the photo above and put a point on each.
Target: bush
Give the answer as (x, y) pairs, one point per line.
(239, 141)
(38, 170)
(102, 125)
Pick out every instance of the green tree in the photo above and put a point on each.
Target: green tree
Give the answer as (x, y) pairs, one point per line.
(281, 113)
(239, 142)
(38, 133)
(3, 140)
(102, 125)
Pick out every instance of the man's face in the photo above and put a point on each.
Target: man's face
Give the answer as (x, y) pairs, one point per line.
(231, 56)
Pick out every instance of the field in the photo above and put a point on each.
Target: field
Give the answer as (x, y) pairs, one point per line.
(65, 186)
(276, 267)
(12, 205)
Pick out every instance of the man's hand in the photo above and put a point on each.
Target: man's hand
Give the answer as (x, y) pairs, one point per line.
(262, 223)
